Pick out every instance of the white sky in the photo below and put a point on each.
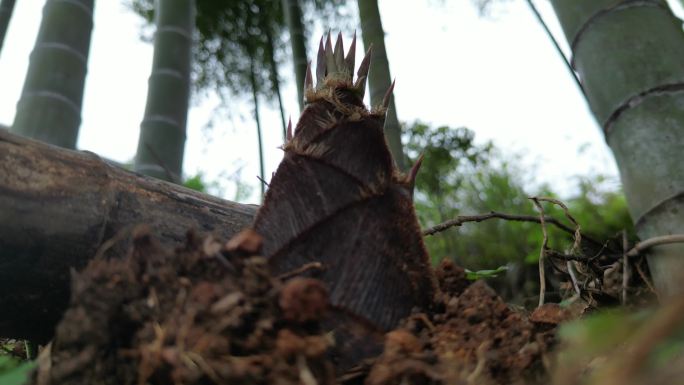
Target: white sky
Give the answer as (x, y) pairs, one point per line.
(500, 77)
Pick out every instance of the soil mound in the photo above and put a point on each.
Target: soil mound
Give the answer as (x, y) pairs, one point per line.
(212, 313)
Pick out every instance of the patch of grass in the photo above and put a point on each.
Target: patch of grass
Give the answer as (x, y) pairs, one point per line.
(14, 371)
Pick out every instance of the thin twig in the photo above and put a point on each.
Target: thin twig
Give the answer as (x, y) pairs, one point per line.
(305, 375)
(481, 354)
(557, 46)
(542, 252)
(577, 233)
(111, 242)
(584, 261)
(561, 269)
(462, 219)
(655, 241)
(600, 252)
(263, 181)
(426, 321)
(572, 257)
(571, 271)
(645, 278)
(567, 257)
(304, 268)
(625, 266)
(160, 162)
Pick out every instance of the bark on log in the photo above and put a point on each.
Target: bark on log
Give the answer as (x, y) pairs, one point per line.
(57, 208)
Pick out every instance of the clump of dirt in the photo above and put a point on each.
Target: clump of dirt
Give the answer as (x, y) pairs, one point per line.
(207, 313)
(212, 313)
(473, 338)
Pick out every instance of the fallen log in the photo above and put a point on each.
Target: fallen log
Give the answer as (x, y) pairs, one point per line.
(57, 209)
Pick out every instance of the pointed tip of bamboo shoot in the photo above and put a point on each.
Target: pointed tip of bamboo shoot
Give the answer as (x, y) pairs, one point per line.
(360, 85)
(388, 95)
(365, 63)
(334, 69)
(308, 78)
(320, 62)
(338, 53)
(328, 41)
(349, 61)
(413, 172)
(329, 56)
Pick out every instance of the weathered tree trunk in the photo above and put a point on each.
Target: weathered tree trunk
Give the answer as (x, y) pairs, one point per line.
(629, 56)
(58, 207)
(49, 108)
(162, 132)
(6, 9)
(379, 79)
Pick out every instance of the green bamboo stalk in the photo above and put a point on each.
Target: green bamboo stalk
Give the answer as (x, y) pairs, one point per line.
(629, 56)
(161, 144)
(255, 100)
(293, 17)
(49, 108)
(379, 79)
(275, 79)
(6, 9)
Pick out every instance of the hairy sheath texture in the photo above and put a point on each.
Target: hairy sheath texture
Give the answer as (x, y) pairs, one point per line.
(338, 199)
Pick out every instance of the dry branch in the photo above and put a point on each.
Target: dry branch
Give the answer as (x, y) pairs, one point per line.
(58, 207)
(462, 219)
(542, 251)
(655, 241)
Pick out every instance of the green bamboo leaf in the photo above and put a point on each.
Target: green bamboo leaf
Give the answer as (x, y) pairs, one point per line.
(479, 274)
